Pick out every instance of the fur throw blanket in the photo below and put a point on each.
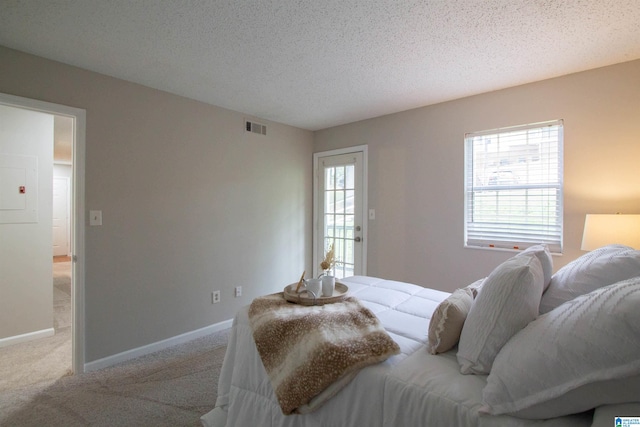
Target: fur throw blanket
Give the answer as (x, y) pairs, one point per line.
(311, 352)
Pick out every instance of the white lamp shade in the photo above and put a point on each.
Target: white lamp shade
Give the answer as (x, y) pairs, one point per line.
(602, 230)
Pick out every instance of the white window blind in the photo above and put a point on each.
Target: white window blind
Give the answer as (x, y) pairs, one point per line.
(513, 187)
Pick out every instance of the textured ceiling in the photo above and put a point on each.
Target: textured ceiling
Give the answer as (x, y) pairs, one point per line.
(315, 64)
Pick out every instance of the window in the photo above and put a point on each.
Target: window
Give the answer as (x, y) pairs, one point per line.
(513, 187)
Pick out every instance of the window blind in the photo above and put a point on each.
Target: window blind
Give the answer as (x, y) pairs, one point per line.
(513, 186)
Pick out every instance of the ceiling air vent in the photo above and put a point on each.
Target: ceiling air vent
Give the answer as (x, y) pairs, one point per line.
(255, 127)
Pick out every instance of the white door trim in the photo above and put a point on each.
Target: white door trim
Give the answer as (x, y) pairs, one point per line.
(77, 213)
(364, 149)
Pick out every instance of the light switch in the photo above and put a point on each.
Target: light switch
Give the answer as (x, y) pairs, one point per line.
(95, 217)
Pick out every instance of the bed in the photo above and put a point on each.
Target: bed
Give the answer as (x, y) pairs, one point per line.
(416, 387)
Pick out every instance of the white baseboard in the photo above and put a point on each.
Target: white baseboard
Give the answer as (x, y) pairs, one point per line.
(5, 342)
(156, 346)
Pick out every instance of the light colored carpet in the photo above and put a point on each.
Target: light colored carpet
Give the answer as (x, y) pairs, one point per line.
(173, 387)
(45, 360)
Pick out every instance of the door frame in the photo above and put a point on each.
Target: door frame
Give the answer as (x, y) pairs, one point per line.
(364, 149)
(77, 214)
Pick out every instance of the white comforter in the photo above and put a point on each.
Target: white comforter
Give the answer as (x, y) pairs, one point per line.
(413, 388)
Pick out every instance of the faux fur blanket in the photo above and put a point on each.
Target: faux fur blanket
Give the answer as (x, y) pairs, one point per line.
(311, 352)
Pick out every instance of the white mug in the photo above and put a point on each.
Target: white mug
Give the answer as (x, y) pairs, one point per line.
(313, 285)
(328, 285)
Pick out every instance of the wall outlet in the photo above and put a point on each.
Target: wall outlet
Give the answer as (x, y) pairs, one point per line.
(238, 291)
(215, 297)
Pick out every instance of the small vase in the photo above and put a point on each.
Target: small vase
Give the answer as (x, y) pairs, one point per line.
(328, 285)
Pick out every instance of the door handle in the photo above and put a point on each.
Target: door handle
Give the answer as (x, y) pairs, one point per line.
(357, 239)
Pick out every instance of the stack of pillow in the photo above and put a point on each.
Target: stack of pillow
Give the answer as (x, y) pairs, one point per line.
(551, 345)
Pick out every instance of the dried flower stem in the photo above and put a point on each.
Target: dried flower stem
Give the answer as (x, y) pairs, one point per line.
(329, 259)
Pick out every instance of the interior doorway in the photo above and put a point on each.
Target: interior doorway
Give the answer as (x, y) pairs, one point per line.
(77, 119)
(62, 177)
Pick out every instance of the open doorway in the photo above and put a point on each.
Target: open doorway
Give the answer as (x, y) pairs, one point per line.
(62, 247)
(62, 178)
(75, 227)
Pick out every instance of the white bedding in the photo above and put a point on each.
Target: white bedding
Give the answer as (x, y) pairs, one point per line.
(413, 388)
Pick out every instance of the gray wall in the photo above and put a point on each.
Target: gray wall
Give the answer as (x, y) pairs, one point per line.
(191, 204)
(26, 287)
(416, 169)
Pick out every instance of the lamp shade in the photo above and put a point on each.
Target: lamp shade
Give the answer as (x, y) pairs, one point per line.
(602, 230)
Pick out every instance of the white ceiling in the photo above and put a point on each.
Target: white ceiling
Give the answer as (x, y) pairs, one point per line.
(315, 64)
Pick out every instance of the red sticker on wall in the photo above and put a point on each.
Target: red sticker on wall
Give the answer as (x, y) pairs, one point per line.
(23, 189)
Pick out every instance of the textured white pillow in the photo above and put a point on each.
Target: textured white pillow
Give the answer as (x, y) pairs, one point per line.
(544, 255)
(507, 303)
(582, 354)
(598, 268)
(447, 321)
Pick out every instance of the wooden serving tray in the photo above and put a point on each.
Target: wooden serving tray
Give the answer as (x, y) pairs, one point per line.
(340, 292)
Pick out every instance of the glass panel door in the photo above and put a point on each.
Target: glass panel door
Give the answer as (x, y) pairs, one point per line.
(340, 213)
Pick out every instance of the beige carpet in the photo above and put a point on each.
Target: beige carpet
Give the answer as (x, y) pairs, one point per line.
(173, 387)
(45, 360)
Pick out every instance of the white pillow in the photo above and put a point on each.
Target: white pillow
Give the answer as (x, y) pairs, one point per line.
(598, 268)
(447, 321)
(583, 354)
(507, 303)
(603, 415)
(544, 255)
